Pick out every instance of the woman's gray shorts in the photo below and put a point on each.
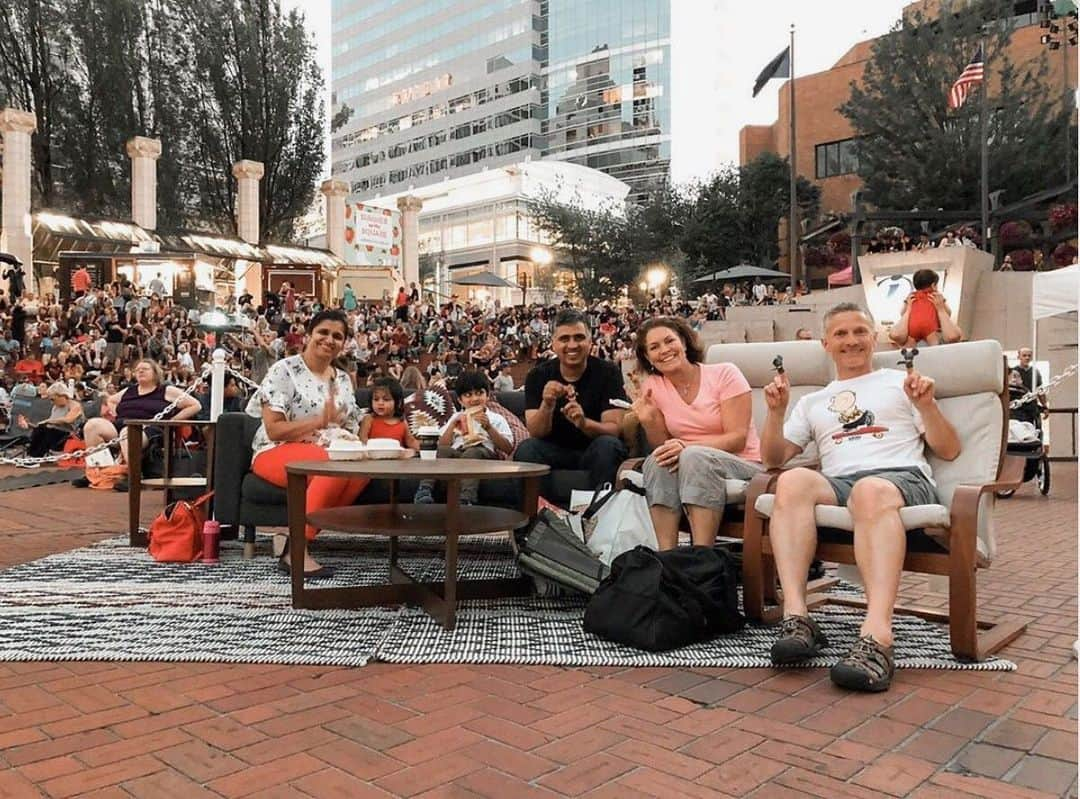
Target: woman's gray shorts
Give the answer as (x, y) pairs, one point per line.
(699, 481)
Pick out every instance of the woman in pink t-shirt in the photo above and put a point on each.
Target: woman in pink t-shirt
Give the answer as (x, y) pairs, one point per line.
(696, 417)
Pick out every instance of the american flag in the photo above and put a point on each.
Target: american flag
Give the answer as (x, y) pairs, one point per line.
(972, 75)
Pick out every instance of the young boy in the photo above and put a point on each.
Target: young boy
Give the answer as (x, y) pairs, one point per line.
(926, 317)
(473, 432)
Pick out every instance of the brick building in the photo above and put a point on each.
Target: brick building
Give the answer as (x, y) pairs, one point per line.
(824, 135)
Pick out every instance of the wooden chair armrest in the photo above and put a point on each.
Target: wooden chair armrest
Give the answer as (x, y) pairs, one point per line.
(761, 483)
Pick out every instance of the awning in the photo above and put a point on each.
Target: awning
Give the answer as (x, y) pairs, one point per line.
(841, 277)
(209, 244)
(309, 256)
(1055, 292)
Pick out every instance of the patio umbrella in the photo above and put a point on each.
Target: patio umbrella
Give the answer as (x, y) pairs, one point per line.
(8, 258)
(489, 279)
(841, 277)
(744, 272)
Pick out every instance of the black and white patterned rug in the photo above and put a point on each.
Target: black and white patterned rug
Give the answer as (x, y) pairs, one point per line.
(111, 602)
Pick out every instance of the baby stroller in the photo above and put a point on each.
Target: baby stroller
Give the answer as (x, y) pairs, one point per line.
(1026, 441)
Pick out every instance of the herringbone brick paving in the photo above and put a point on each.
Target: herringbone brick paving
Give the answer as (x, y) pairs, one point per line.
(195, 730)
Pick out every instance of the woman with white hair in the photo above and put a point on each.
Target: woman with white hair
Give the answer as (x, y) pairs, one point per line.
(51, 433)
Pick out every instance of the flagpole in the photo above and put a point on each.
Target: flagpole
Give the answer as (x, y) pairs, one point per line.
(793, 229)
(984, 114)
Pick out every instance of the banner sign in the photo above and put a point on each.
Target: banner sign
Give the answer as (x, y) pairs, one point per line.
(372, 235)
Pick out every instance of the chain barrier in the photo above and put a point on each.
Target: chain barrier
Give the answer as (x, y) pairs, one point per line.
(26, 462)
(1043, 390)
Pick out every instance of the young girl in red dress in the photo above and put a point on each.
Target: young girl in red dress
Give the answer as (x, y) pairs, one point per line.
(387, 414)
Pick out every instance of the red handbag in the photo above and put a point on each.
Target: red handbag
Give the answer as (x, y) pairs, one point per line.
(176, 534)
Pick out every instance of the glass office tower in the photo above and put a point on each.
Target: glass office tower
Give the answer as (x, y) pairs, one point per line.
(437, 88)
(606, 87)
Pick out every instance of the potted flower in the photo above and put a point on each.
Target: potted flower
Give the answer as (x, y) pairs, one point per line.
(840, 241)
(1062, 216)
(1064, 254)
(1013, 234)
(1022, 260)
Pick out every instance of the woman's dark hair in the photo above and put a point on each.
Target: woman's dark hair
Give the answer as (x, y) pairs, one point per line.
(329, 315)
(472, 380)
(394, 389)
(694, 351)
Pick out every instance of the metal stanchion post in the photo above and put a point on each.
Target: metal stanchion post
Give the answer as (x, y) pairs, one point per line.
(217, 384)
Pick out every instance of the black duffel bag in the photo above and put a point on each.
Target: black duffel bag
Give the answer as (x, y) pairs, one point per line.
(663, 600)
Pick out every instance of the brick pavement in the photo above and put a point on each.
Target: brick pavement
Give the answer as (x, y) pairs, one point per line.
(195, 730)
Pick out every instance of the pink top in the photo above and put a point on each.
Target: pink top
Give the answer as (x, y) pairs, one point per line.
(700, 418)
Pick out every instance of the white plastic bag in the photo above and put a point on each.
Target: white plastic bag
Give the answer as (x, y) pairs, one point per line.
(618, 521)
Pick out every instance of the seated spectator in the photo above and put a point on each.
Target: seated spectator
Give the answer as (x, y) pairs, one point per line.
(803, 334)
(696, 417)
(474, 432)
(304, 401)
(146, 398)
(874, 477)
(66, 413)
(568, 406)
(504, 381)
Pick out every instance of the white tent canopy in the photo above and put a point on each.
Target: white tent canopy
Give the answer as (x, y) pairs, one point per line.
(1055, 292)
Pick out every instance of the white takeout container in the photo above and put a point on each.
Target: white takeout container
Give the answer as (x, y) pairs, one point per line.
(343, 450)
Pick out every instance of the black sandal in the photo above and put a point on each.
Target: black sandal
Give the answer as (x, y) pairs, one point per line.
(321, 573)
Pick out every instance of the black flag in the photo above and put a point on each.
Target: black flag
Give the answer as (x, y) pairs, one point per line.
(779, 67)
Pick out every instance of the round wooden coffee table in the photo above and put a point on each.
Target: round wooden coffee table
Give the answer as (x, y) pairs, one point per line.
(395, 519)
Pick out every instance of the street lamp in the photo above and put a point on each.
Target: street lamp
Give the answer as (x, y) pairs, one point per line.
(540, 256)
(1059, 21)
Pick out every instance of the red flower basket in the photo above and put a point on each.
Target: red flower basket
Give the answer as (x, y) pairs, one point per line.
(1064, 254)
(840, 241)
(1022, 260)
(1014, 233)
(1062, 215)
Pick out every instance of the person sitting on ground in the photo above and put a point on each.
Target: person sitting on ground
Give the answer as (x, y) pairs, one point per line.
(474, 432)
(926, 316)
(874, 476)
(144, 399)
(697, 419)
(304, 402)
(66, 413)
(568, 408)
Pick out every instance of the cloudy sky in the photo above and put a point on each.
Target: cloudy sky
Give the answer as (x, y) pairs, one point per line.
(719, 47)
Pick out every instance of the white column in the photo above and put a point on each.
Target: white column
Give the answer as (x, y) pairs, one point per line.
(15, 233)
(248, 174)
(335, 192)
(410, 232)
(144, 154)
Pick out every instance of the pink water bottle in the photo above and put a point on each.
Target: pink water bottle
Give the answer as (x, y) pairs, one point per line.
(211, 541)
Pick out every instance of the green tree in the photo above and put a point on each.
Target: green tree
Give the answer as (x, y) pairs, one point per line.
(34, 54)
(131, 69)
(916, 153)
(734, 215)
(259, 97)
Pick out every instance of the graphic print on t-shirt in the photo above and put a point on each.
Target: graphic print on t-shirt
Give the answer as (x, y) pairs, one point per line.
(856, 421)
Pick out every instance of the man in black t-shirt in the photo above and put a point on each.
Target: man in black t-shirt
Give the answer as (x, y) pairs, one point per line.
(572, 424)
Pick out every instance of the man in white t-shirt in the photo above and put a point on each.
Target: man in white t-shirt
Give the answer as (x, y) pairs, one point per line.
(870, 427)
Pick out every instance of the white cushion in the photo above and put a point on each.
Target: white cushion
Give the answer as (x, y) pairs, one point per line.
(914, 517)
(736, 490)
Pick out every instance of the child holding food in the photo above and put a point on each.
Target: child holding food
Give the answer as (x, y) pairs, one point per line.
(473, 432)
